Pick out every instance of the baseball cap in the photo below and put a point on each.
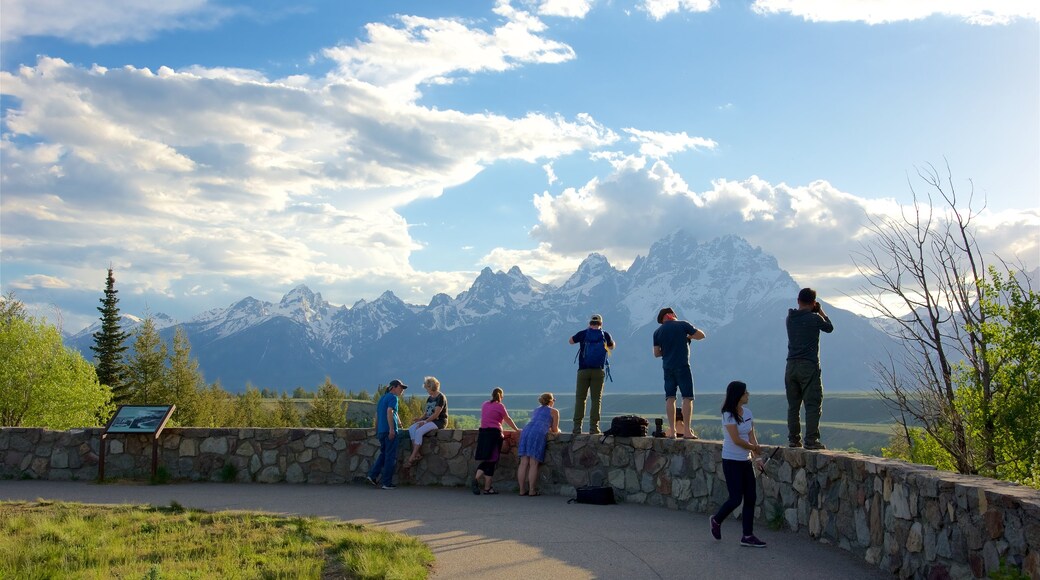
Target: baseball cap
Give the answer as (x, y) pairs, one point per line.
(660, 315)
(596, 318)
(397, 383)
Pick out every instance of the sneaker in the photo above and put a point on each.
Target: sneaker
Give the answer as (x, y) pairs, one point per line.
(474, 486)
(369, 479)
(814, 445)
(752, 542)
(389, 486)
(716, 528)
(794, 444)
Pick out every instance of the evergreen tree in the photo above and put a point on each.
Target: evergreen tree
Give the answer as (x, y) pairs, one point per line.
(216, 407)
(146, 372)
(287, 414)
(185, 380)
(328, 409)
(109, 343)
(249, 409)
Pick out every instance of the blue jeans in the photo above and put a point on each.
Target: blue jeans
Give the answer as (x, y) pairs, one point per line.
(383, 469)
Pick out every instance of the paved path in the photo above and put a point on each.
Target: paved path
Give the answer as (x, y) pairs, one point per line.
(506, 536)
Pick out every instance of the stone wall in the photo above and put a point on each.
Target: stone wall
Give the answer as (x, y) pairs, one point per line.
(907, 519)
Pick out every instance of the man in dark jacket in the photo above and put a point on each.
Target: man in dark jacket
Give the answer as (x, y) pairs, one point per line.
(802, 377)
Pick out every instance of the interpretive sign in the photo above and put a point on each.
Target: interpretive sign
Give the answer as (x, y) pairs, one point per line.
(139, 418)
(136, 420)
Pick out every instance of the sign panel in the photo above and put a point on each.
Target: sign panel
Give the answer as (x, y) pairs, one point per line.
(147, 419)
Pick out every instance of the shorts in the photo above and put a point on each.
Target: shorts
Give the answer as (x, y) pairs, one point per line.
(680, 379)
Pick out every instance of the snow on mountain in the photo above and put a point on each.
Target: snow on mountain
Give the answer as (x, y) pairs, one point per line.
(127, 323)
(510, 330)
(716, 280)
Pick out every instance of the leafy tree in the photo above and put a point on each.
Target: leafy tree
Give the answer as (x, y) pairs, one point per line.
(42, 383)
(301, 393)
(287, 414)
(917, 446)
(109, 342)
(1006, 424)
(329, 407)
(927, 278)
(146, 371)
(185, 382)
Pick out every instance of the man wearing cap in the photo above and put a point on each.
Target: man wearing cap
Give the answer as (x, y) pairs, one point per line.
(387, 424)
(672, 346)
(596, 344)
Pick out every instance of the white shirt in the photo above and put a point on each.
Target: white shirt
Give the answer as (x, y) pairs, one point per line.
(731, 450)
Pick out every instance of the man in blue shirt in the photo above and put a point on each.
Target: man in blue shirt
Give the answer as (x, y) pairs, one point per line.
(387, 424)
(672, 346)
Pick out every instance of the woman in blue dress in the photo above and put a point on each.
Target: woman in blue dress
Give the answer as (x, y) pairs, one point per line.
(545, 419)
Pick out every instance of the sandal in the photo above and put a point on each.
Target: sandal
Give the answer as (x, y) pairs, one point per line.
(491, 491)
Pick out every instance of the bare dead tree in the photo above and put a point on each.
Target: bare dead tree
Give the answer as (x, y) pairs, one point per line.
(924, 273)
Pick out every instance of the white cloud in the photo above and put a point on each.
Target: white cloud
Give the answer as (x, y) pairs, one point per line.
(541, 263)
(565, 8)
(398, 60)
(221, 178)
(550, 174)
(98, 22)
(659, 9)
(661, 145)
(812, 229)
(980, 12)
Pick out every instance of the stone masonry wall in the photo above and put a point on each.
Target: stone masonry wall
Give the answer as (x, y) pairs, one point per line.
(911, 520)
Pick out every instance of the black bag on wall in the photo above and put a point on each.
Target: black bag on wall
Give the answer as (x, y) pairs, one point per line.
(627, 426)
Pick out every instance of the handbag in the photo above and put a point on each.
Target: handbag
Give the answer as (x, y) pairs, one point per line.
(594, 494)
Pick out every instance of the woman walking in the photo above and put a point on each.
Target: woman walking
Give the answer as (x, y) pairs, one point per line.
(489, 441)
(738, 445)
(435, 417)
(545, 419)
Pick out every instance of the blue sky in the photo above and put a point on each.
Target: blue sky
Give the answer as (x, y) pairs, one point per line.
(214, 150)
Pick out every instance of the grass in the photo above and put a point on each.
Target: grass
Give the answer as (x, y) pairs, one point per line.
(45, 539)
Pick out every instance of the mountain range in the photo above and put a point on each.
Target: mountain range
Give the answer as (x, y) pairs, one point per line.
(512, 331)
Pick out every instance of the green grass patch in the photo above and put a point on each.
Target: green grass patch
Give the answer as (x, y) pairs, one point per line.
(69, 540)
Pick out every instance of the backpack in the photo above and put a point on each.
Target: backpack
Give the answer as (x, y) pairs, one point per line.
(627, 426)
(593, 351)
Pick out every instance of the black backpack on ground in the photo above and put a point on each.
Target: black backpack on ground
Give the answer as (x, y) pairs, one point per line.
(627, 426)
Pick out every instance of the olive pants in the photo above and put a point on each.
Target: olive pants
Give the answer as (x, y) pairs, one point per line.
(804, 386)
(589, 380)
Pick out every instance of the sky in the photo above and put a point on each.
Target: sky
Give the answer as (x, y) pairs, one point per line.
(213, 150)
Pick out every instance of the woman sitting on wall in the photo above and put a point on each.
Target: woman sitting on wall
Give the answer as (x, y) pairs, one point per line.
(435, 417)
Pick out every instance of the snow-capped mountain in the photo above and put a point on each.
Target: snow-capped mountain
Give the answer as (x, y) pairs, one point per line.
(512, 331)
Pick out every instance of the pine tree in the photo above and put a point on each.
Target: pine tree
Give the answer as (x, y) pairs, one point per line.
(146, 374)
(185, 380)
(109, 343)
(288, 415)
(329, 408)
